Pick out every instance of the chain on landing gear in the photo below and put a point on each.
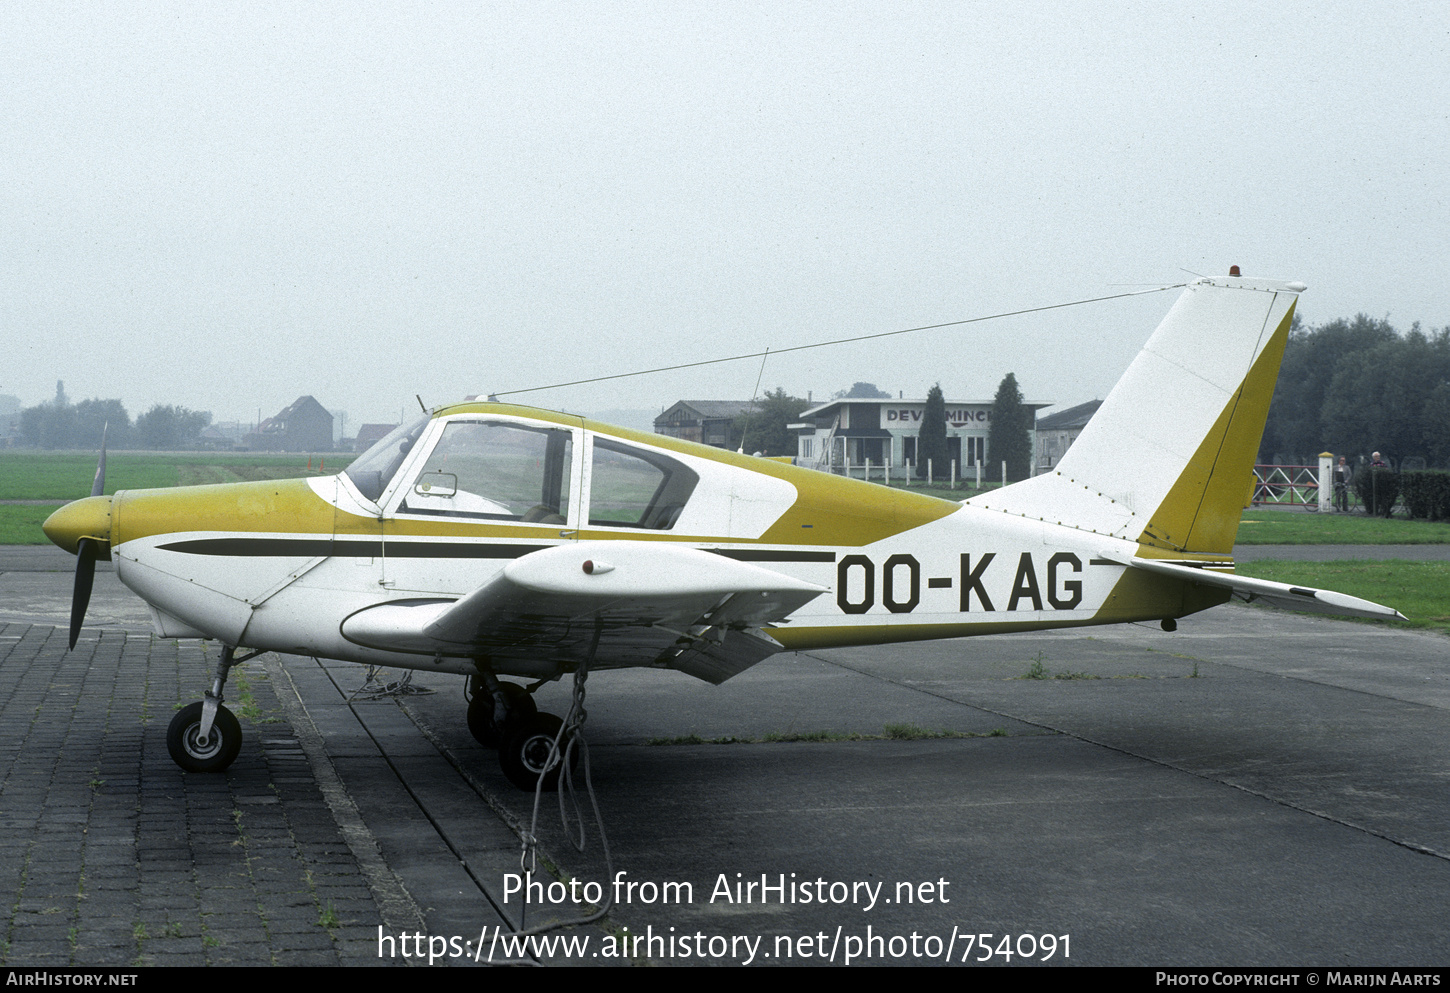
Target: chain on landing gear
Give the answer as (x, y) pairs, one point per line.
(564, 754)
(565, 749)
(205, 736)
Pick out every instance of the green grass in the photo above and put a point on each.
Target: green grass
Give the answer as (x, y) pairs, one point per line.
(21, 525)
(31, 475)
(1419, 590)
(1280, 527)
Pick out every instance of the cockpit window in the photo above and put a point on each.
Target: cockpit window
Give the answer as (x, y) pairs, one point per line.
(374, 469)
(496, 471)
(630, 487)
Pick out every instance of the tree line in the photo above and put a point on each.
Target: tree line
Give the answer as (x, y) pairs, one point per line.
(62, 424)
(1358, 386)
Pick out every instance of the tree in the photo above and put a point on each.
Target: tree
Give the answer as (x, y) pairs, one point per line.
(48, 426)
(1008, 437)
(765, 430)
(931, 440)
(168, 427)
(94, 416)
(1377, 399)
(1435, 421)
(862, 391)
(1295, 430)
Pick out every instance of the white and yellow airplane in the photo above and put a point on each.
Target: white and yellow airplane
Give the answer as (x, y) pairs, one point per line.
(489, 539)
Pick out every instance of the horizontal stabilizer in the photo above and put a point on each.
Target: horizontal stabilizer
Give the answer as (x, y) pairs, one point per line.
(1263, 591)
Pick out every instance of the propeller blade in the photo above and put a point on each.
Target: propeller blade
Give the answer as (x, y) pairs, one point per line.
(98, 485)
(86, 552)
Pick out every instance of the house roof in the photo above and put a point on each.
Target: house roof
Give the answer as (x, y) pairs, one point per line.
(710, 409)
(299, 405)
(1072, 417)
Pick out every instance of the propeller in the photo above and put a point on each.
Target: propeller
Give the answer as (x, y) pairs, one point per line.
(85, 578)
(87, 550)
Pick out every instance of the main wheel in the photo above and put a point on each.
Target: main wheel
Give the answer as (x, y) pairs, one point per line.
(183, 740)
(526, 753)
(480, 713)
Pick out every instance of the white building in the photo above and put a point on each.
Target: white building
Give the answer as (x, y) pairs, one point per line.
(851, 431)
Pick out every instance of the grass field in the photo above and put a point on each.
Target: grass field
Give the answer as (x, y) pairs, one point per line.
(1292, 527)
(1419, 590)
(27, 475)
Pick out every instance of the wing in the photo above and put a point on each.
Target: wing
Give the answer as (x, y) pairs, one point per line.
(650, 603)
(1262, 590)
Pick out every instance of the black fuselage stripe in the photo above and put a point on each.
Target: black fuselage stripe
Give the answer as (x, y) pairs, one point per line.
(772, 555)
(313, 547)
(397, 548)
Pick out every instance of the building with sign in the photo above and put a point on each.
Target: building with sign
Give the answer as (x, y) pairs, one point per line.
(853, 431)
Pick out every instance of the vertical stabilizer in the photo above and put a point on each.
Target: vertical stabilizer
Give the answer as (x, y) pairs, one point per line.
(1168, 459)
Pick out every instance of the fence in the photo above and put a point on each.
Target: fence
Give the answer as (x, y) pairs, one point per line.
(1286, 485)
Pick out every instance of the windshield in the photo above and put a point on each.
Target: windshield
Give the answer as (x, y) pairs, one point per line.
(374, 469)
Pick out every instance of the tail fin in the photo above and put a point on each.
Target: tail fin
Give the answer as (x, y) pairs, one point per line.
(1167, 460)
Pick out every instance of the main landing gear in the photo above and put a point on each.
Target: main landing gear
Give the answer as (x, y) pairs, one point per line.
(503, 716)
(205, 736)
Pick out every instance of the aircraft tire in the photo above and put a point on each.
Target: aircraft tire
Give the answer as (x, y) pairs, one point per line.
(218, 753)
(480, 714)
(527, 751)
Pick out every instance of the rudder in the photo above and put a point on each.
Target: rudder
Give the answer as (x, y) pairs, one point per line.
(1167, 459)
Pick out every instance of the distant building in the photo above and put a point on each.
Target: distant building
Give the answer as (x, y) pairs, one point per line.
(223, 435)
(885, 432)
(9, 420)
(706, 421)
(370, 434)
(1056, 432)
(303, 426)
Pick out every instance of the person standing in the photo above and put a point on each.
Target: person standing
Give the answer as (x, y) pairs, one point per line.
(1342, 474)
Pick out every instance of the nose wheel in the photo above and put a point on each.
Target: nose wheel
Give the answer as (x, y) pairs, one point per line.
(205, 736)
(197, 752)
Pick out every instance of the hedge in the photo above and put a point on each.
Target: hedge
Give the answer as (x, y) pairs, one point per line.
(1426, 493)
(1378, 489)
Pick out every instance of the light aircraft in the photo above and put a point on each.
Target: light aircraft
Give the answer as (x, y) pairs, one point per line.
(490, 539)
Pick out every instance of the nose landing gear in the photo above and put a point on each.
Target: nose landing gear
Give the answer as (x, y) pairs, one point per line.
(205, 736)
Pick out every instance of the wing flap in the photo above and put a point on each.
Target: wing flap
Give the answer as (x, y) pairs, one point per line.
(1262, 590)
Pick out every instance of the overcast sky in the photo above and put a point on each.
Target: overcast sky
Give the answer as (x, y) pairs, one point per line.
(229, 205)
